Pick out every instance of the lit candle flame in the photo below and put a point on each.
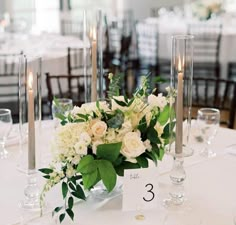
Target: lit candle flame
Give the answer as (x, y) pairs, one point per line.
(180, 65)
(30, 81)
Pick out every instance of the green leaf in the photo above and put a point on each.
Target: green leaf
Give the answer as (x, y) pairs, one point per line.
(62, 217)
(72, 186)
(152, 156)
(120, 103)
(70, 202)
(107, 173)
(56, 210)
(89, 168)
(46, 176)
(78, 195)
(130, 102)
(109, 151)
(63, 122)
(164, 115)
(80, 190)
(117, 120)
(84, 162)
(70, 213)
(126, 165)
(78, 121)
(60, 116)
(85, 117)
(46, 170)
(142, 161)
(64, 189)
(161, 153)
(89, 180)
(152, 135)
(168, 130)
(142, 126)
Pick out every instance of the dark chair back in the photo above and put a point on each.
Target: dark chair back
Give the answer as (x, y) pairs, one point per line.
(217, 93)
(59, 86)
(70, 27)
(9, 83)
(207, 38)
(232, 71)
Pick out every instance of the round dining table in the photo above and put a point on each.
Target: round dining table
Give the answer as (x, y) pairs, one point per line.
(210, 187)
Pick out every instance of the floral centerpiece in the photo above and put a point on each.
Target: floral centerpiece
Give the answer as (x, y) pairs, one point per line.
(99, 140)
(205, 10)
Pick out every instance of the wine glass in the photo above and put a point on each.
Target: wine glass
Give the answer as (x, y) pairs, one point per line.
(5, 128)
(208, 120)
(60, 106)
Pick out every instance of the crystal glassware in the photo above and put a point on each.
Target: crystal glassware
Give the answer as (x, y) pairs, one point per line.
(5, 128)
(60, 106)
(208, 120)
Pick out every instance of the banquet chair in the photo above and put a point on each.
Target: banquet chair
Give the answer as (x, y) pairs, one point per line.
(9, 84)
(232, 71)
(70, 27)
(75, 60)
(207, 38)
(217, 93)
(65, 86)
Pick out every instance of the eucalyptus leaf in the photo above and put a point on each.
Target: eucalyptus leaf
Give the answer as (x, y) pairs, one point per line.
(117, 120)
(165, 115)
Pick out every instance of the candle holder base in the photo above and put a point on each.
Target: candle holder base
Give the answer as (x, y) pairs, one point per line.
(187, 151)
(32, 194)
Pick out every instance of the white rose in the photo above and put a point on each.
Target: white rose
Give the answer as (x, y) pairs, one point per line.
(159, 101)
(81, 148)
(95, 145)
(132, 145)
(99, 129)
(84, 136)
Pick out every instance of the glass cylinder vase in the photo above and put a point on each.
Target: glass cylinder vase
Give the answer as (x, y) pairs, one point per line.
(181, 83)
(29, 114)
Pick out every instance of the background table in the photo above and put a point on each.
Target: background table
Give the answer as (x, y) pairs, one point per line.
(210, 188)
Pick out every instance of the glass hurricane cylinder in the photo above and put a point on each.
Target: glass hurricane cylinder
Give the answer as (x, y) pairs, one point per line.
(181, 82)
(29, 113)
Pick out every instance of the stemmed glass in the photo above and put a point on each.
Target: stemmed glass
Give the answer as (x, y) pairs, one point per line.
(208, 121)
(60, 106)
(5, 128)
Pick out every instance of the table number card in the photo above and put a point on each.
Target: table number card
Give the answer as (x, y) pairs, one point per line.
(140, 189)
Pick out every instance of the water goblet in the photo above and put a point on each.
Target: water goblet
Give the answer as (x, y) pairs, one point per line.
(5, 128)
(60, 106)
(208, 120)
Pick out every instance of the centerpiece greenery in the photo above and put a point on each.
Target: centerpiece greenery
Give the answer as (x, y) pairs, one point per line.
(99, 140)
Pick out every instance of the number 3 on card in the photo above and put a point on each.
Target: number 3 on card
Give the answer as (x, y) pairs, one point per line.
(140, 189)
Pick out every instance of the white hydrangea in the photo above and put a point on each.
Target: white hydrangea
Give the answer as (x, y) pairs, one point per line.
(81, 148)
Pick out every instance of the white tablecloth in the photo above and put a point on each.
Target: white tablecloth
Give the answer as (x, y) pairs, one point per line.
(210, 190)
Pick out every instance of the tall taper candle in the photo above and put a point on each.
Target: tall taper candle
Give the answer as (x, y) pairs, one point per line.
(94, 67)
(31, 126)
(179, 112)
